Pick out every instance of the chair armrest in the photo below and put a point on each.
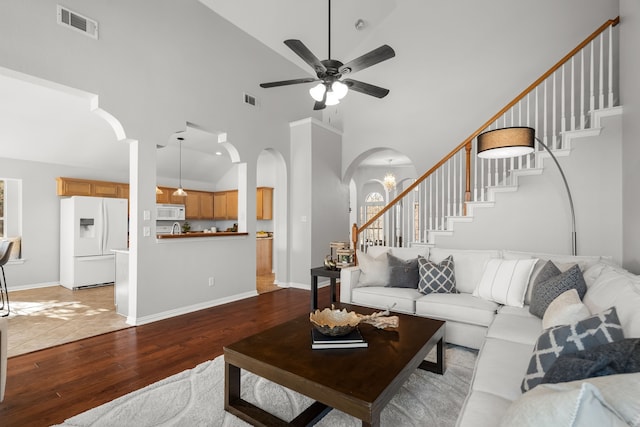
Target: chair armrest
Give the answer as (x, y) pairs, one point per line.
(349, 277)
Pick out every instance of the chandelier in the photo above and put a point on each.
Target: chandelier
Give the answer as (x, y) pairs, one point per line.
(389, 181)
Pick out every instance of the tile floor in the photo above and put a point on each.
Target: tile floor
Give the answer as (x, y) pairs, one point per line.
(45, 317)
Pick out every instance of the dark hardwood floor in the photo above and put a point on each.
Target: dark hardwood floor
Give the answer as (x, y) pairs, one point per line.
(48, 386)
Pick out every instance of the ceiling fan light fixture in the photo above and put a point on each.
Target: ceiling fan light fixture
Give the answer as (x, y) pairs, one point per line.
(317, 92)
(339, 89)
(332, 98)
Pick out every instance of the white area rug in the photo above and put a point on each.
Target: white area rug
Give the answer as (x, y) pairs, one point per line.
(195, 397)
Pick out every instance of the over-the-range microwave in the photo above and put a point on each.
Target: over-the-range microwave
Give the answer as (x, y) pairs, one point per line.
(165, 212)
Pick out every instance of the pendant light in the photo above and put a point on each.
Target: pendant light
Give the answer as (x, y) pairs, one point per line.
(180, 191)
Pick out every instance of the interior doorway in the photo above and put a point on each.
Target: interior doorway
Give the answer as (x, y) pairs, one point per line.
(270, 217)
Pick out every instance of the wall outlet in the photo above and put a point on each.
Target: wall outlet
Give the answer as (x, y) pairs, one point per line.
(212, 281)
(146, 231)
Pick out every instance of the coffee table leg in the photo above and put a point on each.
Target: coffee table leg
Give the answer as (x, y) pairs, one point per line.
(439, 366)
(375, 421)
(231, 385)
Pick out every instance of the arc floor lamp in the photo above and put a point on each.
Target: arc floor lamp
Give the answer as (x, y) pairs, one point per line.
(518, 141)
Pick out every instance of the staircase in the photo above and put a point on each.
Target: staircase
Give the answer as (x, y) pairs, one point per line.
(566, 103)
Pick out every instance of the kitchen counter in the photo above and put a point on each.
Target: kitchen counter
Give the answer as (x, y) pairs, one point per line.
(198, 234)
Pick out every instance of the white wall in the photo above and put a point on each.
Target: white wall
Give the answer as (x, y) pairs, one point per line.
(537, 216)
(630, 99)
(476, 56)
(319, 200)
(155, 67)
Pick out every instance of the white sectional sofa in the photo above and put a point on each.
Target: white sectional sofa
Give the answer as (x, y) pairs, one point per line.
(506, 335)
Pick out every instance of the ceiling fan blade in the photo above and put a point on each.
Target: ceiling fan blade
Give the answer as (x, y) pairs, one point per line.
(303, 52)
(366, 88)
(380, 54)
(320, 105)
(288, 82)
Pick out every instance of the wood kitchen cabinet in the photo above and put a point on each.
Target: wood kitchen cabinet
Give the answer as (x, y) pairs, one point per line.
(264, 203)
(86, 187)
(264, 255)
(225, 204)
(199, 205)
(206, 205)
(164, 197)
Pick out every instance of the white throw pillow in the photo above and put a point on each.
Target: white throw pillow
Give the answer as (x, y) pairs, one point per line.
(469, 265)
(505, 281)
(550, 405)
(619, 289)
(566, 309)
(373, 271)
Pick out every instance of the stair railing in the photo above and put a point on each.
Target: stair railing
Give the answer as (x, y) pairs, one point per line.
(560, 100)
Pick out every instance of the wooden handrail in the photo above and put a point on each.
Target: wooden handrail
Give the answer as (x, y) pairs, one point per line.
(468, 141)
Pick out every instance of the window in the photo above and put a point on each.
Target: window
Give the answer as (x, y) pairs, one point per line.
(373, 203)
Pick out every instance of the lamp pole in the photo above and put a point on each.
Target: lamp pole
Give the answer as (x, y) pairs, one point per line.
(566, 186)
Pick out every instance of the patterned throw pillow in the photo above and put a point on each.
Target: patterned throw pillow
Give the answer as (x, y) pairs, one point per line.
(402, 273)
(438, 278)
(544, 292)
(601, 328)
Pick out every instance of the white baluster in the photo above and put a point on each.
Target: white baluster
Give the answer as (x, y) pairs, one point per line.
(563, 116)
(544, 119)
(592, 78)
(582, 89)
(610, 66)
(553, 112)
(601, 74)
(573, 94)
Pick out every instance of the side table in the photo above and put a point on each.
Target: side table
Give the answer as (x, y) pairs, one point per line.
(321, 271)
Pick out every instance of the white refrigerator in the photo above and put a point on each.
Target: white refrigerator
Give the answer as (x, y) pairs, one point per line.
(90, 228)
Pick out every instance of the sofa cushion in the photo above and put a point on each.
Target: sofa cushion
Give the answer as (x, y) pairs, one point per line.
(439, 278)
(565, 310)
(410, 253)
(549, 405)
(399, 299)
(524, 327)
(482, 410)
(545, 292)
(463, 308)
(402, 273)
(500, 367)
(621, 290)
(374, 271)
(505, 281)
(598, 329)
(469, 265)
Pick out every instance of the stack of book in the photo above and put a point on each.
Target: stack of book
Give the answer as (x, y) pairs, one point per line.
(353, 339)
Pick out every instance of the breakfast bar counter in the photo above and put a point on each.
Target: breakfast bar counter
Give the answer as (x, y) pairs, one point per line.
(196, 234)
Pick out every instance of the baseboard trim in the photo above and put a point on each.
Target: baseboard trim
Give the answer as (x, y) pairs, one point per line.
(133, 321)
(33, 286)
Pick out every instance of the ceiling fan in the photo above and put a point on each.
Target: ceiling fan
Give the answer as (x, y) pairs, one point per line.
(330, 72)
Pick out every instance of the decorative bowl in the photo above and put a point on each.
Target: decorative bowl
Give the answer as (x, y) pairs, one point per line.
(334, 322)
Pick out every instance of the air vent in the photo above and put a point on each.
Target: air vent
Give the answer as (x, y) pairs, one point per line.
(77, 22)
(250, 99)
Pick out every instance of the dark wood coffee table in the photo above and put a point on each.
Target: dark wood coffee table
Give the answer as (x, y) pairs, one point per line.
(358, 381)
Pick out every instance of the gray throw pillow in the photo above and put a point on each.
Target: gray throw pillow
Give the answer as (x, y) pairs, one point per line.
(437, 278)
(402, 273)
(545, 291)
(601, 328)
